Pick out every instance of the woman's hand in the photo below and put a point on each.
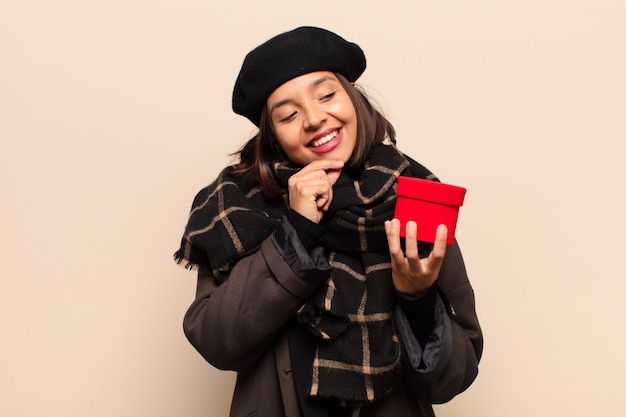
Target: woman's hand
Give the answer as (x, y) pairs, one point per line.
(311, 189)
(413, 276)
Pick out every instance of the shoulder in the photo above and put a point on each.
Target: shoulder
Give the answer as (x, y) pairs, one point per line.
(228, 181)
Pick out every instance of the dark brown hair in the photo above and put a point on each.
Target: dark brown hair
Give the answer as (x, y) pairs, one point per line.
(260, 153)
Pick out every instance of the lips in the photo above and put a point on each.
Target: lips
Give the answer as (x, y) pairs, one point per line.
(324, 139)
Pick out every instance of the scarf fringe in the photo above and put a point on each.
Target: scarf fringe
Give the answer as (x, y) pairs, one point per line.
(185, 263)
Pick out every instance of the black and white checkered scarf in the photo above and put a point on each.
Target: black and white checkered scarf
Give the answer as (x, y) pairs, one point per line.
(357, 358)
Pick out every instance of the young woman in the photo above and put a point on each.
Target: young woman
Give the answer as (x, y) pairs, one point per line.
(305, 287)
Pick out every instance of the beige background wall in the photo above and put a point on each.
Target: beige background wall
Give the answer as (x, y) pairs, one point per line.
(114, 113)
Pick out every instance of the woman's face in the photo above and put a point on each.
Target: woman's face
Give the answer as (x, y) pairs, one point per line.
(313, 118)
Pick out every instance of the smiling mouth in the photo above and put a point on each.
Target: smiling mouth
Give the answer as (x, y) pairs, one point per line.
(325, 139)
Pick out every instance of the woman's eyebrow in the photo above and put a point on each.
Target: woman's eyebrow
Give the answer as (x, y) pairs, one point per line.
(321, 80)
(279, 103)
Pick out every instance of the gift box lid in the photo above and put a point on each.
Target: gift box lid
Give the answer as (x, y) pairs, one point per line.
(434, 191)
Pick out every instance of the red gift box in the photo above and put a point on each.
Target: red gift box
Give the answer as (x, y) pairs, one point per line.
(429, 204)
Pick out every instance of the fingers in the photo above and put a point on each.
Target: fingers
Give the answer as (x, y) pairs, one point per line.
(411, 250)
(441, 238)
(314, 185)
(333, 175)
(323, 165)
(412, 276)
(320, 170)
(392, 229)
(311, 189)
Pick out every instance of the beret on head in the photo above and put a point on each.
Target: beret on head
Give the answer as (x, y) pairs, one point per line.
(287, 56)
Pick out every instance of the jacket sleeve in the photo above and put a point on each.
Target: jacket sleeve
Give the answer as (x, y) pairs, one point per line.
(460, 335)
(232, 323)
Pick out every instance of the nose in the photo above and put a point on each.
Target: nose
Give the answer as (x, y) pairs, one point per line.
(314, 116)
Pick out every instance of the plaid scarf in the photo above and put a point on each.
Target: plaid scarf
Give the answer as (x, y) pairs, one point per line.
(357, 355)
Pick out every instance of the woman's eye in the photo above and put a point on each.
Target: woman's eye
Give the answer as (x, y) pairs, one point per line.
(328, 96)
(287, 118)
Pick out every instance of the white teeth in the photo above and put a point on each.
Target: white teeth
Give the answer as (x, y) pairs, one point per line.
(325, 139)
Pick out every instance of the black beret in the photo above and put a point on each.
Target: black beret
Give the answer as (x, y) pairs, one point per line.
(289, 55)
